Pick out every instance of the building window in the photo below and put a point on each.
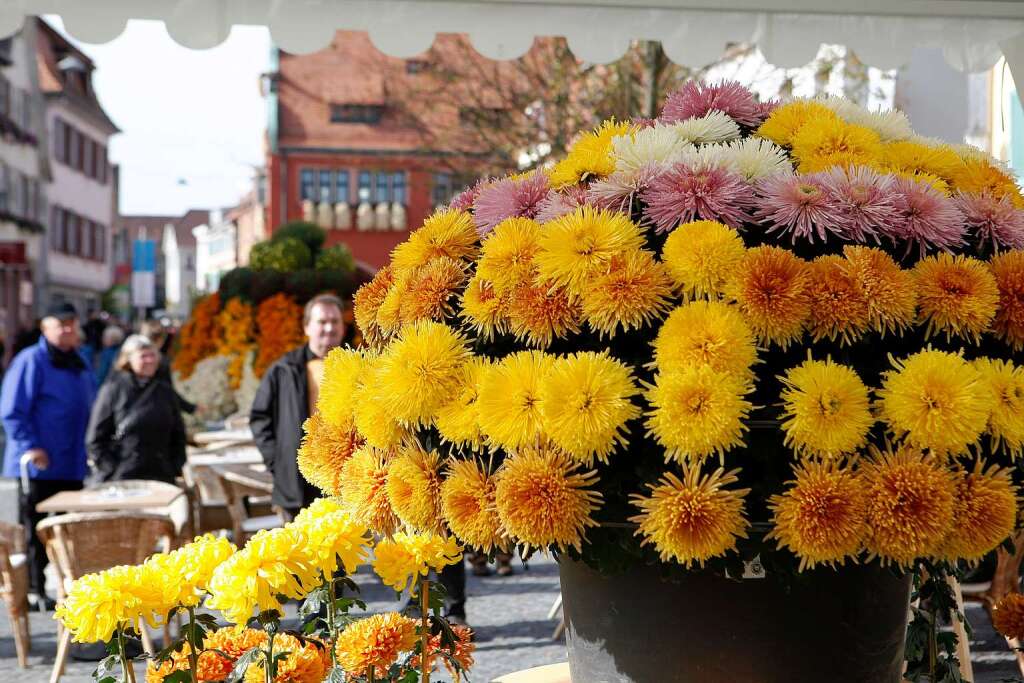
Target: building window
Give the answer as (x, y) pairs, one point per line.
(381, 191)
(88, 156)
(442, 192)
(87, 238)
(60, 140)
(398, 188)
(26, 111)
(490, 117)
(416, 66)
(356, 113)
(307, 184)
(101, 162)
(71, 246)
(17, 194)
(99, 249)
(341, 193)
(5, 96)
(60, 230)
(365, 186)
(4, 181)
(74, 140)
(325, 186)
(54, 234)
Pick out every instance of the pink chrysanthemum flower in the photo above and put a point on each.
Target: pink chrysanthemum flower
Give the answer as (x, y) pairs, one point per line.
(641, 122)
(765, 109)
(685, 193)
(864, 200)
(618, 190)
(799, 205)
(925, 217)
(560, 202)
(509, 198)
(463, 201)
(697, 99)
(992, 220)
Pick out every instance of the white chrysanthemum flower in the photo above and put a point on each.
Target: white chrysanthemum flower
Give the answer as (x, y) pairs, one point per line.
(752, 158)
(712, 127)
(891, 124)
(973, 153)
(618, 190)
(655, 145)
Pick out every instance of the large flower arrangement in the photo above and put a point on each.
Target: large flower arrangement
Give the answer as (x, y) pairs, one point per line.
(238, 327)
(742, 329)
(198, 337)
(279, 321)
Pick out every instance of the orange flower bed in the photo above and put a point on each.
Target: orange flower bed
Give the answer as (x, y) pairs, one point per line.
(279, 320)
(236, 321)
(199, 336)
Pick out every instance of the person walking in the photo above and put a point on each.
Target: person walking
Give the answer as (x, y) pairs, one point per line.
(287, 396)
(112, 338)
(44, 406)
(136, 430)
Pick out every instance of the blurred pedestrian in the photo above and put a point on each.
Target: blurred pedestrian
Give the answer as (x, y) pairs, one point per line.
(136, 430)
(111, 339)
(155, 331)
(44, 405)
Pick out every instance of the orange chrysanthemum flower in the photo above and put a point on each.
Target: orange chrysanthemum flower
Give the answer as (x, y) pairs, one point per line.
(634, 290)
(1008, 324)
(839, 307)
(985, 510)
(459, 653)
(888, 289)
(821, 516)
(543, 501)
(957, 295)
(324, 451)
(279, 321)
(414, 487)
(1008, 616)
(375, 642)
(305, 661)
(430, 290)
(363, 484)
(694, 518)
(368, 300)
(539, 312)
(467, 499)
(910, 504)
(198, 337)
(772, 288)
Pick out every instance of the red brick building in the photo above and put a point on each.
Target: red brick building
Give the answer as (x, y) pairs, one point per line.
(345, 151)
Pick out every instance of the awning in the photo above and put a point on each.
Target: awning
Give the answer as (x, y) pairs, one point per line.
(971, 33)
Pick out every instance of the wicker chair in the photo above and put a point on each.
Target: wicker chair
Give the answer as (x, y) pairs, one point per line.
(238, 490)
(14, 586)
(82, 543)
(178, 512)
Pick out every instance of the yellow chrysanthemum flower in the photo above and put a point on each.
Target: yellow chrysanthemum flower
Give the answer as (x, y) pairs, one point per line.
(345, 372)
(694, 518)
(363, 492)
(585, 401)
(985, 513)
(1008, 616)
(979, 175)
(540, 312)
(333, 539)
(839, 307)
(937, 399)
(419, 371)
(701, 257)
(509, 403)
(306, 661)
(373, 419)
(910, 502)
(710, 333)
(634, 290)
(402, 559)
(786, 120)
(430, 290)
(414, 487)
(1008, 325)
(912, 157)
(506, 257)
(826, 410)
(1005, 382)
(590, 156)
(273, 563)
(186, 571)
(447, 233)
(772, 287)
(697, 412)
(319, 509)
(821, 516)
(957, 295)
(375, 642)
(482, 309)
(579, 246)
(543, 501)
(888, 289)
(822, 143)
(323, 452)
(458, 421)
(467, 499)
(96, 605)
(367, 302)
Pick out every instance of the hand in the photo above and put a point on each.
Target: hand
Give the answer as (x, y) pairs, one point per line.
(38, 457)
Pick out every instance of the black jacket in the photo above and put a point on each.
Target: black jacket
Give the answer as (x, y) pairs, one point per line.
(278, 411)
(152, 445)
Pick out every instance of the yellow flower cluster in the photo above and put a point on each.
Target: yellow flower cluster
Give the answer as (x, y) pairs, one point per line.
(402, 559)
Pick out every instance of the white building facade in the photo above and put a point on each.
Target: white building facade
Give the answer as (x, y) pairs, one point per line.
(216, 251)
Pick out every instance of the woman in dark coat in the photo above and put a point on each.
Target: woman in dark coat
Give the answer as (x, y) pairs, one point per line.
(136, 430)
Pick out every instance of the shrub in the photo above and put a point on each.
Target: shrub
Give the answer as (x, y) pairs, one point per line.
(336, 257)
(237, 284)
(284, 255)
(310, 234)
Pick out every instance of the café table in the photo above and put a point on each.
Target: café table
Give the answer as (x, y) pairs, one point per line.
(551, 673)
(113, 496)
(219, 436)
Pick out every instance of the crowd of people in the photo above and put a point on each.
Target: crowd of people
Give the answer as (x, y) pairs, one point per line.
(84, 404)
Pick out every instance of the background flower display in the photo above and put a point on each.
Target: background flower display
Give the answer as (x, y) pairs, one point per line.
(783, 331)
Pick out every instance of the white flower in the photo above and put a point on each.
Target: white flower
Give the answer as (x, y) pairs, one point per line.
(891, 124)
(712, 127)
(754, 158)
(658, 144)
(618, 190)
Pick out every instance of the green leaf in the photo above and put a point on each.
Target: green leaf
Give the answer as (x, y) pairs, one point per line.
(337, 675)
(179, 676)
(243, 663)
(110, 664)
(207, 620)
(313, 602)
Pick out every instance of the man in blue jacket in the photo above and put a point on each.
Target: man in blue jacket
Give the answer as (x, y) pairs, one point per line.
(45, 401)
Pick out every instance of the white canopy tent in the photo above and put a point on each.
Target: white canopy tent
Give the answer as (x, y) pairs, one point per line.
(971, 33)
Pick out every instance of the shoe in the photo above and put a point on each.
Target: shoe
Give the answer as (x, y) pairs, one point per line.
(41, 603)
(482, 570)
(505, 565)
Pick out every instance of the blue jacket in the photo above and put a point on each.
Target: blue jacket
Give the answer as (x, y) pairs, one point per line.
(42, 406)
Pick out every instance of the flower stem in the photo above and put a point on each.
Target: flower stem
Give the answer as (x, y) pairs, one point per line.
(269, 668)
(193, 654)
(369, 674)
(332, 632)
(425, 636)
(126, 665)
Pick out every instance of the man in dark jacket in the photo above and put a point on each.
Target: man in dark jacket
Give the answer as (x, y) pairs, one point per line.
(286, 397)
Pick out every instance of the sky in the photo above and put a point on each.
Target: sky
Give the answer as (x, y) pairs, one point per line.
(192, 121)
